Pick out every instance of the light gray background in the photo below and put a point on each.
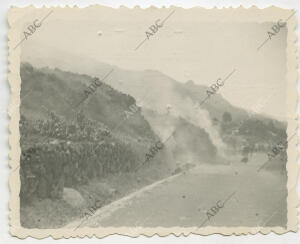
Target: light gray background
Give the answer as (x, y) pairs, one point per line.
(4, 100)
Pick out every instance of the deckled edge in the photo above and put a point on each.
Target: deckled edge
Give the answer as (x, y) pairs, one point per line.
(14, 154)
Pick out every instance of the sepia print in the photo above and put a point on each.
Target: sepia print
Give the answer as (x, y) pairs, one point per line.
(152, 121)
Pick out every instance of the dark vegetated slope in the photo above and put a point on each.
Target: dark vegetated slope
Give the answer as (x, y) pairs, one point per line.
(67, 147)
(61, 91)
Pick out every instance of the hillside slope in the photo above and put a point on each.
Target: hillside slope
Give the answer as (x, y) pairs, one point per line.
(61, 91)
(158, 92)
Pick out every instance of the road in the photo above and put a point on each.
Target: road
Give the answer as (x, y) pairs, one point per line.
(252, 199)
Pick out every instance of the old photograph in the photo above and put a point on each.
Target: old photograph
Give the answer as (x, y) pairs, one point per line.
(152, 121)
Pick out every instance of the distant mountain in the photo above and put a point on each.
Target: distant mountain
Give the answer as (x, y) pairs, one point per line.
(45, 89)
(150, 88)
(153, 89)
(164, 96)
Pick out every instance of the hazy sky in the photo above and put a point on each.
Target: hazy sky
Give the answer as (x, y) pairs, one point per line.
(184, 48)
